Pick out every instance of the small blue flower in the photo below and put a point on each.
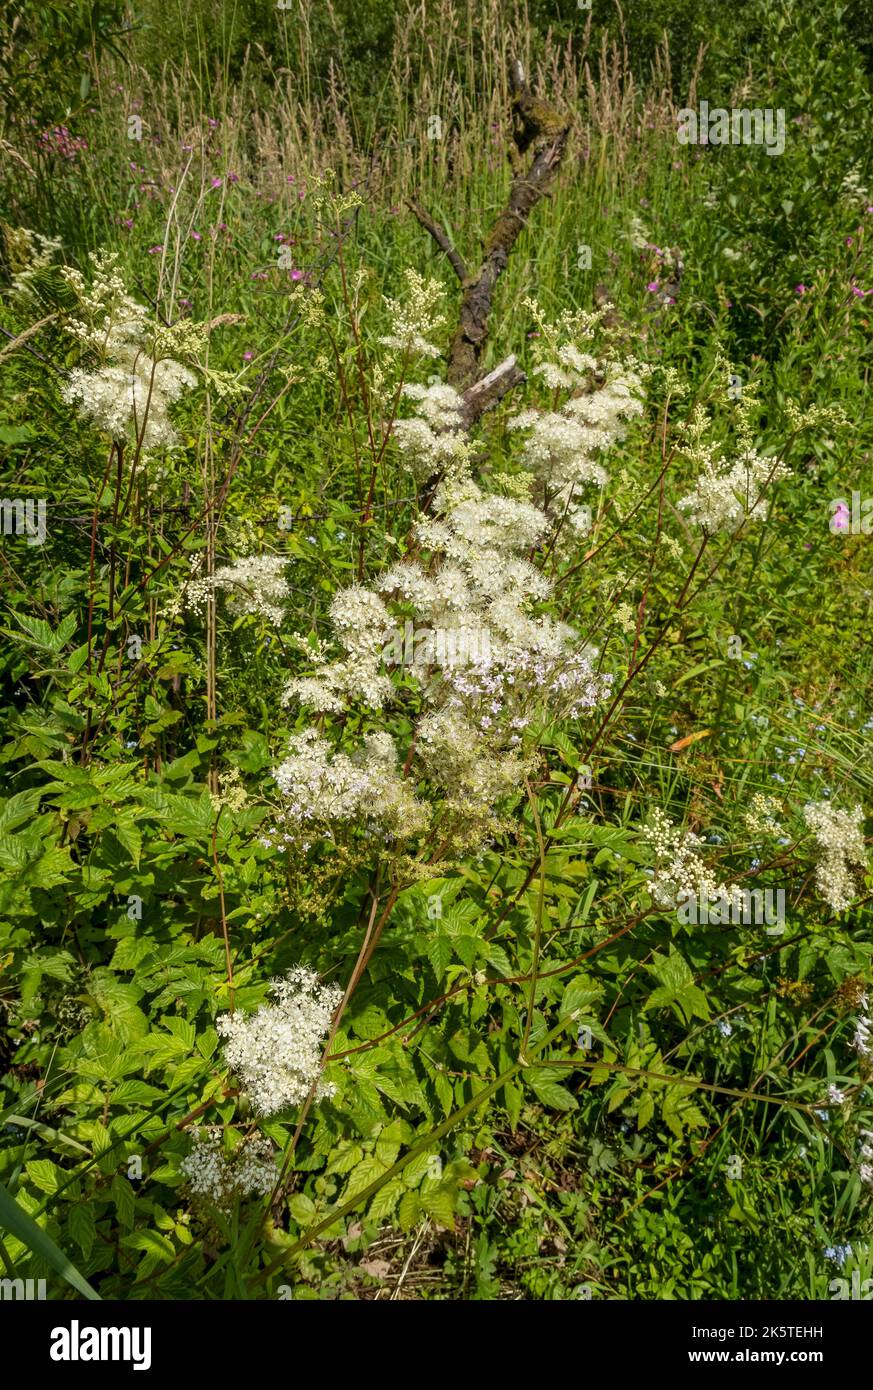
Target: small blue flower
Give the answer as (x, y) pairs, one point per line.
(838, 1254)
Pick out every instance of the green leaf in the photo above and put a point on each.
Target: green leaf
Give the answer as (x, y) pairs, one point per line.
(386, 1200)
(439, 953)
(409, 1211)
(369, 1170)
(44, 1174)
(441, 1206)
(15, 1219)
(301, 1207)
(83, 1227)
(151, 1243)
(546, 1089)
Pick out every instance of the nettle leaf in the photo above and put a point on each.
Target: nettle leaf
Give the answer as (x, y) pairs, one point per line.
(83, 1227)
(440, 949)
(370, 1169)
(547, 1089)
(677, 990)
(385, 1200)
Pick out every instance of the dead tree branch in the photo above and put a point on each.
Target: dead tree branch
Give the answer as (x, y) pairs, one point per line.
(540, 136)
(441, 239)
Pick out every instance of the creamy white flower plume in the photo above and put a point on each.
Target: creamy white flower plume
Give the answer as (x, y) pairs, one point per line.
(840, 842)
(276, 1051)
(212, 1174)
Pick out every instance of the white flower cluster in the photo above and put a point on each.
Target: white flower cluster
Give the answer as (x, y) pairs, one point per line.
(131, 391)
(256, 584)
(276, 1051)
(320, 788)
(862, 1042)
(414, 318)
(680, 872)
(564, 446)
(761, 818)
(853, 189)
(865, 1156)
(471, 771)
(362, 625)
(431, 441)
(211, 1174)
(726, 494)
(477, 578)
(840, 842)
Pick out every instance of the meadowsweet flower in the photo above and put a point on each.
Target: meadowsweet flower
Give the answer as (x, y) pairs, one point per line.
(28, 254)
(276, 1051)
(761, 818)
(413, 320)
(562, 446)
(211, 1174)
(131, 391)
(255, 583)
(322, 789)
(431, 441)
(362, 625)
(865, 1156)
(680, 872)
(727, 494)
(853, 189)
(840, 843)
(862, 1042)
